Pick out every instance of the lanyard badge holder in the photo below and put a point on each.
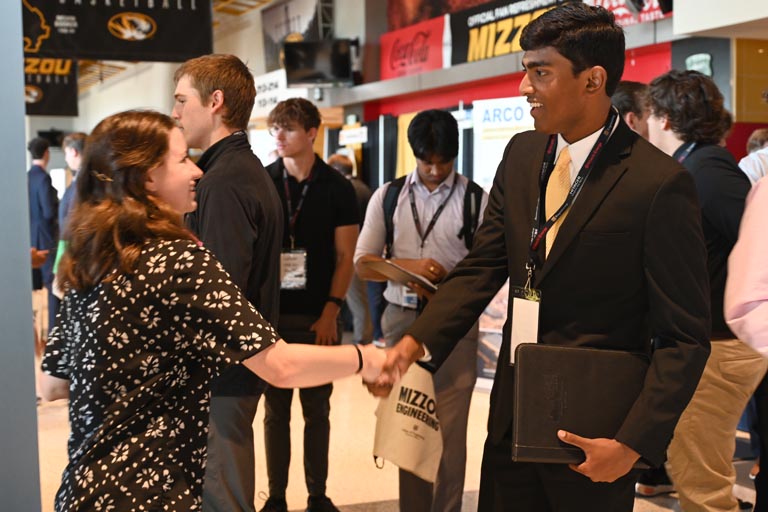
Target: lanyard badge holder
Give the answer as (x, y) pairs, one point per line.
(293, 261)
(526, 300)
(410, 298)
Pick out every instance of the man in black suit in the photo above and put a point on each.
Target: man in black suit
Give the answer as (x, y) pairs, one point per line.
(627, 266)
(43, 225)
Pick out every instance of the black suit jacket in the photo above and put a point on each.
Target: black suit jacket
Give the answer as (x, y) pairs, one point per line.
(43, 224)
(628, 266)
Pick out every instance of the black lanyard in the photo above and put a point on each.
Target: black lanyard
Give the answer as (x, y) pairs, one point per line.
(294, 215)
(539, 231)
(434, 217)
(688, 149)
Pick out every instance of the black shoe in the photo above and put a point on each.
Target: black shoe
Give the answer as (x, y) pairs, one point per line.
(321, 504)
(744, 505)
(274, 505)
(653, 482)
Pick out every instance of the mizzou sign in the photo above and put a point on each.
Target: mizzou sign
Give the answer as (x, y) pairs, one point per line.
(135, 30)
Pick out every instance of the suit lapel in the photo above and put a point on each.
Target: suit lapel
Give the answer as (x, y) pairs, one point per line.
(601, 180)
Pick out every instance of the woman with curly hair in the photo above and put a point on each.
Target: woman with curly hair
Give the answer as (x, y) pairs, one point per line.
(149, 318)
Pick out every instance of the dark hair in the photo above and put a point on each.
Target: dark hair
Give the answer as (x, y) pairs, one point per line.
(295, 110)
(757, 140)
(37, 147)
(692, 103)
(75, 140)
(434, 133)
(341, 163)
(630, 97)
(228, 74)
(585, 35)
(114, 215)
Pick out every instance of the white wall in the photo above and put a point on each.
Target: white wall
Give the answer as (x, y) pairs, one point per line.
(242, 36)
(700, 15)
(146, 85)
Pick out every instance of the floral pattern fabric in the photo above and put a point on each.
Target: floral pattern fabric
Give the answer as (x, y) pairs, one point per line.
(140, 352)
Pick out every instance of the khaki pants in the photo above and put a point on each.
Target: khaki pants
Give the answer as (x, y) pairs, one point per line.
(701, 452)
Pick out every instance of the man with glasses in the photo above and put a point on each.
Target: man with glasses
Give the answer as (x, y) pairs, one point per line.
(321, 226)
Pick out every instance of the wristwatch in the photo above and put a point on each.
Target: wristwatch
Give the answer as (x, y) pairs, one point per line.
(339, 302)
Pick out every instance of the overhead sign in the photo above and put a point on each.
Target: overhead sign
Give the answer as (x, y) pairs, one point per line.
(415, 49)
(625, 16)
(50, 86)
(145, 30)
(271, 89)
(493, 29)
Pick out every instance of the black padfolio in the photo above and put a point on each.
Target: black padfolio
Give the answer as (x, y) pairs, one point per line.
(586, 391)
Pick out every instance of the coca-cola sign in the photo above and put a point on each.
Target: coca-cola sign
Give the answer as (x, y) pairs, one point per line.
(409, 53)
(413, 49)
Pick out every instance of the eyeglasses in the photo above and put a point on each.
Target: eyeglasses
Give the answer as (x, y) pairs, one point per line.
(274, 131)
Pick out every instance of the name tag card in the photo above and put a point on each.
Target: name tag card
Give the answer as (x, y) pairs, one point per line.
(293, 269)
(525, 318)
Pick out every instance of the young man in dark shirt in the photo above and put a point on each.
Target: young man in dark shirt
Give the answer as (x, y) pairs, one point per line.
(686, 122)
(321, 226)
(240, 219)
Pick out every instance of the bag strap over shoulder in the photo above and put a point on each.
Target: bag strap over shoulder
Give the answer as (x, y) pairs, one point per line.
(473, 198)
(389, 205)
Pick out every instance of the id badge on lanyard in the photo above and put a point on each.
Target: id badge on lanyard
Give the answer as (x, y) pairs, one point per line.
(525, 317)
(293, 269)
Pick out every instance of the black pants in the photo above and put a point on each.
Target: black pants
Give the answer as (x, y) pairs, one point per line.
(316, 407)
(507, 486)
(761, 481)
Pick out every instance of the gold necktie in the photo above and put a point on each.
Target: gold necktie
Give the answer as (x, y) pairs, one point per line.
(557, 190)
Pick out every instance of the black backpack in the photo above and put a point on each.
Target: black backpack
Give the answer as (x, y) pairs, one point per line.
(472, 200)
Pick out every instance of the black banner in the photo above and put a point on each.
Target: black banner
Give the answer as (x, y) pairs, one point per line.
(493, 29)
(50, 86)
(143, 30)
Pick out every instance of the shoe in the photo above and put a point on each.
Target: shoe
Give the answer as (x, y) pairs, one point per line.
(274, 505)
(321, 504)
(744, 505)
(653, 482)
(380, 343)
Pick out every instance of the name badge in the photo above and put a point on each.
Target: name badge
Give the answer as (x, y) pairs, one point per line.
(293, 269)
(525, 318)
(410, 298)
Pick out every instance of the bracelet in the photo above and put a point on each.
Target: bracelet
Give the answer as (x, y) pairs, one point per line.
(359, 358)
(339, 302)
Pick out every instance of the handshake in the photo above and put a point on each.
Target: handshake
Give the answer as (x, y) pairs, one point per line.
(382, 368)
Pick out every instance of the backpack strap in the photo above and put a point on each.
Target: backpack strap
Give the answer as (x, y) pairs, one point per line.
(390, 204)
(473, 198)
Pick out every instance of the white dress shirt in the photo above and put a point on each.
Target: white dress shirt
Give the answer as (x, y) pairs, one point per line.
(442, 244)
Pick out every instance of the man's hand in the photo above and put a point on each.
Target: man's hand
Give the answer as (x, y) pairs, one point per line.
(325, 329)
(426, 267)
(399, 359)
(38, 257)
(421, 292)
(607, 459)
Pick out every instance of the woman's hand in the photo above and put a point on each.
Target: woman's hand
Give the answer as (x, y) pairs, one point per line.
(373, 361)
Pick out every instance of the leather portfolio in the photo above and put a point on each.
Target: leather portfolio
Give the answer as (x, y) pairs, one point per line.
(586, 391)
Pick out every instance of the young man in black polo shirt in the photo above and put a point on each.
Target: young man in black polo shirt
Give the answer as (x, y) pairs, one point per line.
(240, 219)
(321, 226)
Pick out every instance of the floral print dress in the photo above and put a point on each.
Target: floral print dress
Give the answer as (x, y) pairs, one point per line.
(139, 353)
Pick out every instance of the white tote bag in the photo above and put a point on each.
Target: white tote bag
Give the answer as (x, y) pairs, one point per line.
(407, 429)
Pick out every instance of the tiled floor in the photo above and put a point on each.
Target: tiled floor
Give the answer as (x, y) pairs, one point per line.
(355, 484)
